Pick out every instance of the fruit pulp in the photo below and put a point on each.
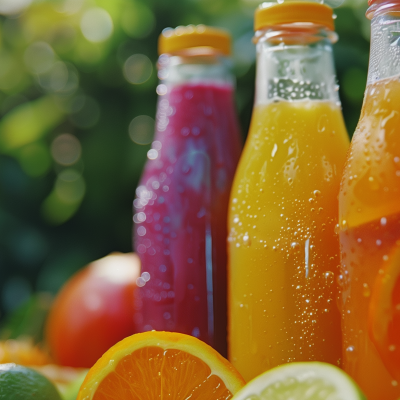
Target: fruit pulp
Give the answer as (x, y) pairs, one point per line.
(283, 250)
(369, 211)
(181, 212)
(165, 367)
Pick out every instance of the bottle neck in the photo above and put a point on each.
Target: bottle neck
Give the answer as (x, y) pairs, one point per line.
(295, 63)
(204, 68)
(384, 60)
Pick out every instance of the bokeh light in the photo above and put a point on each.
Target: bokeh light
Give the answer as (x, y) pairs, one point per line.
(141, 129)
(39, 57)
(55, 78)
(96, 25)
(138, 69)
(66, 149)
(10, 7)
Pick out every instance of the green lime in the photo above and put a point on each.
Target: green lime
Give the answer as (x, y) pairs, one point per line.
(21, 383)
(301, 381)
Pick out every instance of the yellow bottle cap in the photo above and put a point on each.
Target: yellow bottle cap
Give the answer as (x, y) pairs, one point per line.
(175, 41)
(270, 14)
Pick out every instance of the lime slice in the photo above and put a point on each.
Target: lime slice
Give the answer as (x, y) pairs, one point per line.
(301, 381)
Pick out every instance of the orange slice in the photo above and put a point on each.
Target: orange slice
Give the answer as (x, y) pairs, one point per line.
(161, 365)
(384, 314)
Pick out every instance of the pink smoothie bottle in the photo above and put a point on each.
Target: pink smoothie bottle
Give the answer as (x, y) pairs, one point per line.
(180, 212)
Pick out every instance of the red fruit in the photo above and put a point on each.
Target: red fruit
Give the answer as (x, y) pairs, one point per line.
(94, 310)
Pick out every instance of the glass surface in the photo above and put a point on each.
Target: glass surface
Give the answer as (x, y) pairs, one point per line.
(181, 206)
(283, 251)
(369, 217)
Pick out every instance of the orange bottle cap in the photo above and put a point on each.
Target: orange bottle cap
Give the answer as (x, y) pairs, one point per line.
(175, 41)
(270, 14)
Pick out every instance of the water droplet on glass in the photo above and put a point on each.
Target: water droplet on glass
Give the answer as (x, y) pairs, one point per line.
(246, 240)
(295, 246)
(329, 277)
(337, 229)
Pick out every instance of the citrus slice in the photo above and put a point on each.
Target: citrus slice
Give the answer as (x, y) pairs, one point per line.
(384, 314)
(301, 381)
(157, 365)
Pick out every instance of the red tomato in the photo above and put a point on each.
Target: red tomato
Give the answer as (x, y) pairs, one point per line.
(94, 310)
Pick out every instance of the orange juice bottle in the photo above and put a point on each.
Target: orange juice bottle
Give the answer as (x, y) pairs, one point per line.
(369, 218)
(282, 247)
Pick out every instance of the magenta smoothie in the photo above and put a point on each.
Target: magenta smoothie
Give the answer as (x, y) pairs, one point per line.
(181, 212)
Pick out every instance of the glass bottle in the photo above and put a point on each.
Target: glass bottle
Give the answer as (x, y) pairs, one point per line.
(369, 209)
(181, 206)
(283, 252)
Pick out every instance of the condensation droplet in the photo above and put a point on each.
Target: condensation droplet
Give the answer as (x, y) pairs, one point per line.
(329, 277)
(246, 240)
(316, 193)
(295, 246)
(337, 229)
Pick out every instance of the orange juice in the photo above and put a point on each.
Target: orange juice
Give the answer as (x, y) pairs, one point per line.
(370, 233)
(284, 253)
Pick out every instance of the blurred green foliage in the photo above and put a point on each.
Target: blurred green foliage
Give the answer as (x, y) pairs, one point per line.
(77, 106)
